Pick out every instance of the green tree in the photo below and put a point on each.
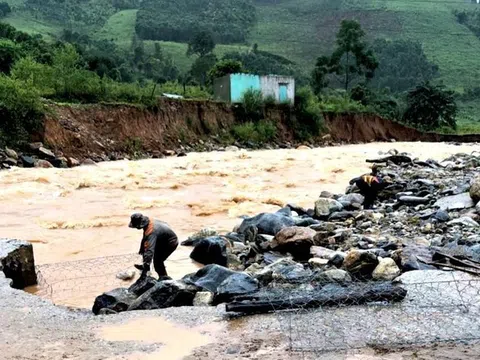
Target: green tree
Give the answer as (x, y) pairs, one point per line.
(201, 67)
(225, 67)
(402, 65)
(201, 44)
(4, 9)
(430, 107)
(9, 52)
(351, 58)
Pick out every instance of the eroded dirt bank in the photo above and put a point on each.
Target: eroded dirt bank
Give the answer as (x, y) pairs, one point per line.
(109, 131)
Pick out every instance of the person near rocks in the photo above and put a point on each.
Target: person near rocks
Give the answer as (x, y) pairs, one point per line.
(159, 241)
(370, 185)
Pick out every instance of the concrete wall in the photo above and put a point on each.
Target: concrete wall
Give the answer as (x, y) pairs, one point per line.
(221, 88)
(239, 83)
(271, 87)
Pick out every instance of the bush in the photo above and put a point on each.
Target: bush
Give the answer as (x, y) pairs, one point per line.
(260, 132)
(307, 119)
(251, 107)
(431, 107)
(21, 110)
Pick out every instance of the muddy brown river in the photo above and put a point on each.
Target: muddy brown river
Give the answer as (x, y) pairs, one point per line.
(77, 218)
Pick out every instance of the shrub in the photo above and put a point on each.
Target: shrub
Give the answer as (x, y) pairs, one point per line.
(307, 118)
(431, 107)
(21, 110)
(260, 132)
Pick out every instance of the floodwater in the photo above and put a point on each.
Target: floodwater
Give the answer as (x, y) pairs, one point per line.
(77, 219)
(177, 341)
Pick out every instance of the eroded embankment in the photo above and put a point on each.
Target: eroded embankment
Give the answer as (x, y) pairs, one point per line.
(109, 131)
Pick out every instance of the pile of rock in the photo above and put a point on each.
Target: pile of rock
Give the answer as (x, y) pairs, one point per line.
(37, 155)
(430, 207)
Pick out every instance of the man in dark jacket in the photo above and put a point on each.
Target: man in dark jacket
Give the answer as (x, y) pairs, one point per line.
(158, 242)
(370, 185)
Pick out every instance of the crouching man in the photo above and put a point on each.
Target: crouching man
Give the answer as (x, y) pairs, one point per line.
(158, 243)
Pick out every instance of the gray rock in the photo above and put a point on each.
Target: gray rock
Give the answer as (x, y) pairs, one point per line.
(142, 285)
(11, 153)
(352, 198)
(333, 276)
(326, 195)
(126, 275)
(294, 240)
(268, 223)
(475, 190)
(442, 216)
(291, 274)
(386, 269)
(317, 263)
(117, 300)
(465, 221)
(27, 161)
(17, 262)
(322, 252)
(265, 275)
(9, 161)
(235, 285)
(203, 298)
(360, 264)
(455, 202)
(195, 238)
(209, 277)
(165, 294)
(324, 207)
(43, 164)
(210, 250)
(413, 200)
(45, 153)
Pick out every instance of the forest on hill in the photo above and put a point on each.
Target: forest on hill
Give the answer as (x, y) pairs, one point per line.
(153, 46)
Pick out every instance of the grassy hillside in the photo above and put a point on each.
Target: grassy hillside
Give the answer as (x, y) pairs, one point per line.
(301, 30)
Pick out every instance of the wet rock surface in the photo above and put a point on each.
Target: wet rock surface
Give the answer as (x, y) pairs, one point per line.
(17, 262)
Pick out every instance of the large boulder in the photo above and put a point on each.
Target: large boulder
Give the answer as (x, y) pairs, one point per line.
(117, 300)
(406, 258)
(351, 199)
(235, 285)
(165, 294)
(455, 202)
(17, 262)
(268, 223)
(360, 264)
(294, 240)
(209, 277)
(386, 269)
(325, 207)
(475, 190)
(210, 250)
(27, 161)
(142, 285)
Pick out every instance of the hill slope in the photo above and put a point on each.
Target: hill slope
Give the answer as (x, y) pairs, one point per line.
(301, 30)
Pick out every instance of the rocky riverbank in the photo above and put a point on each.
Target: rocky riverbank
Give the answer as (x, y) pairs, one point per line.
(427, 219)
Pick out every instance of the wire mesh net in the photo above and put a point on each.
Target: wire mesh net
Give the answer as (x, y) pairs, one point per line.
(77, 283)
(431, 312)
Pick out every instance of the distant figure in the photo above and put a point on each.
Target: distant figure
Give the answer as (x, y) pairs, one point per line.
(370, 185)
(158, 242)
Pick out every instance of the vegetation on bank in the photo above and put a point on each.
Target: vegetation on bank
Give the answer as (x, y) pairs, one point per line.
(358, 76)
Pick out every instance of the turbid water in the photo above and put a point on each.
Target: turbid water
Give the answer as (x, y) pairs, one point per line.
(77, 218)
